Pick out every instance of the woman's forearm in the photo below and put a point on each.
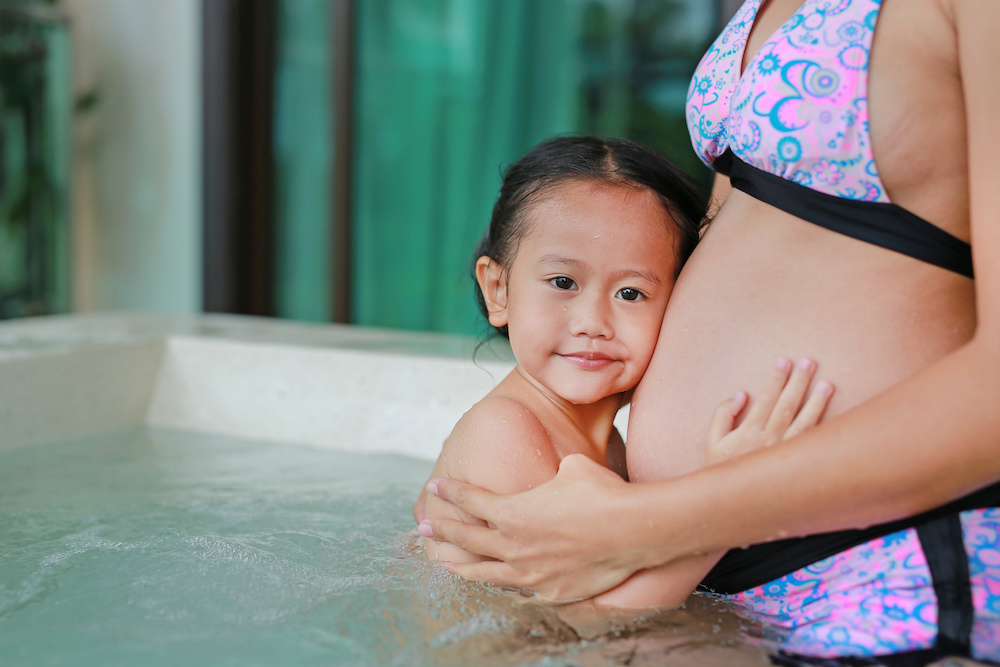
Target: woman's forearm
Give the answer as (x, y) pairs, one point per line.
(926, 441)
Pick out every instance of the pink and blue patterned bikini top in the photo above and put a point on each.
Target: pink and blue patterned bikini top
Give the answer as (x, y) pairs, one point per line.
(792, 129)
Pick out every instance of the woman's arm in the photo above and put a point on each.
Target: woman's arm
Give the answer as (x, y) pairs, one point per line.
(784, 407)
(929, 440)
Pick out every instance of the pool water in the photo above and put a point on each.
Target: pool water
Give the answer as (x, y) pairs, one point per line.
(168, 548)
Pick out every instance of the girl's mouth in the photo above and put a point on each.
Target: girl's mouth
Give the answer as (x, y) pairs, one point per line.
(588, 361)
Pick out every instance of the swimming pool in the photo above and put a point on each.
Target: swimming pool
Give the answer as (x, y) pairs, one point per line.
(227, 490)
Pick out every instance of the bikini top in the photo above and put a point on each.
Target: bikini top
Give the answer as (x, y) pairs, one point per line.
(792, 129)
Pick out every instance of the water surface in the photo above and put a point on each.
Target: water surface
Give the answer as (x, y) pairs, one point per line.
(165, 548)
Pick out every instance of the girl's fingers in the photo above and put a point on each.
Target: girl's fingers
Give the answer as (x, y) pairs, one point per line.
(787, 405)
(724, 418)
(813, 410)
(762, 406)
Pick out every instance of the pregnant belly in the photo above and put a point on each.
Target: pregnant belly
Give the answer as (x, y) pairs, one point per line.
(760, 287)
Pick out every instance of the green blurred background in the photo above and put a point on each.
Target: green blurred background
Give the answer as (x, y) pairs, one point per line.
(310, 159)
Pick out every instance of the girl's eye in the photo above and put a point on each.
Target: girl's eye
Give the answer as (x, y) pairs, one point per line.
(562, 282)
(630, 294)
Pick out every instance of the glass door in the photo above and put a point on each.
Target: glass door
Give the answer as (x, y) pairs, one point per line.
(393, 120)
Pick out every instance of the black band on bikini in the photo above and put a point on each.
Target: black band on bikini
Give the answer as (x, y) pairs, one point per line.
(920, 658)
(742, 569)
(948, 563)
(886, 225)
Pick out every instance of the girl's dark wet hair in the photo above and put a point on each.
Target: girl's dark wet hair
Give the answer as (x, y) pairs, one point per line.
(564, 159)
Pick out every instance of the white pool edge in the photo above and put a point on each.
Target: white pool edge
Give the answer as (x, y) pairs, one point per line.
(330, 386)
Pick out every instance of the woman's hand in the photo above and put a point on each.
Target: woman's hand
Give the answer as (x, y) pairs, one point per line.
(545, 540)
(418, 507)
(781, 411)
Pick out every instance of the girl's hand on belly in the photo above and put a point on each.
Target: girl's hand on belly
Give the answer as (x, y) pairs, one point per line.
(780, 411)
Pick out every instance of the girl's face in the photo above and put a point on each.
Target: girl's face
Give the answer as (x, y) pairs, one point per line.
(585, 295)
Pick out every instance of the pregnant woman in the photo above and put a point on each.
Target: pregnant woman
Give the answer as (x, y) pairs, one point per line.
(857, 148)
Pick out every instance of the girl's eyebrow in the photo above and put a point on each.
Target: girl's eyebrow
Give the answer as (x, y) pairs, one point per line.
(617, 275)
(557, 259)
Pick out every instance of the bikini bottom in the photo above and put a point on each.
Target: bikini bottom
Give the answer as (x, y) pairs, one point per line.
(909, 659)
(931, 582)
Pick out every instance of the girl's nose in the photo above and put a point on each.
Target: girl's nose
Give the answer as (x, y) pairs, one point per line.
(591, 318)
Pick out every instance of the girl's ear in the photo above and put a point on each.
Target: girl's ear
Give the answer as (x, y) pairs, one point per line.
(493, 284)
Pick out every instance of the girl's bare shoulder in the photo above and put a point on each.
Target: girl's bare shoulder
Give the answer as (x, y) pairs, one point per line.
(502, 445)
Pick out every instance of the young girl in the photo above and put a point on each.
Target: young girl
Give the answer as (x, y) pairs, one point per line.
(586, 240)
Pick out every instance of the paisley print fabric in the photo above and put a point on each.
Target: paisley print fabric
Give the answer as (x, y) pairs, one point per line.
(981, 534)
(878, 598)
(800, 108)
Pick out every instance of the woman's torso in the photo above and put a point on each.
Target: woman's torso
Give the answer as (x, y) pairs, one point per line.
(764, 284)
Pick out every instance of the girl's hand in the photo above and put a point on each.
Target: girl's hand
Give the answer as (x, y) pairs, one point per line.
(780, 412)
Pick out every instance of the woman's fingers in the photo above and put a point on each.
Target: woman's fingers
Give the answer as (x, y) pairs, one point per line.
(470, 537)
(499, 573)
(418, 507)
(494, 572)
(813, 410)
(787, 405)
(472, 500)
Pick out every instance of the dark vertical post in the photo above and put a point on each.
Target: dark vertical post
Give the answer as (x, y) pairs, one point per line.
(219, 194)
(342, 208)
(239, 208)
(258, 48)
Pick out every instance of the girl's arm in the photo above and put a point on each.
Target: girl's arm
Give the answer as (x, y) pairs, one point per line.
(498, 445)
(929, 440)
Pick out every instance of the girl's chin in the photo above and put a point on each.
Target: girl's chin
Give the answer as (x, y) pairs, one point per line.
(589, 397)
